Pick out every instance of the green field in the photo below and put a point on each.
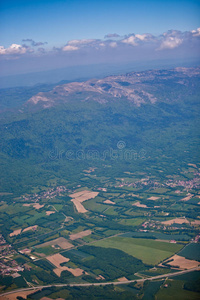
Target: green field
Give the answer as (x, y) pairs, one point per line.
(91, 205)
(175, 291)
(149, 251)
(46, 250)
(191, 251)
(132, 222)
(110, 211)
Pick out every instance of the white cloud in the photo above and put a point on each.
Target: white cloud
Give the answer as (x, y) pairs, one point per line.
(135, 39)
(144, 37)
(14, 49)
(102, 44)
(169, 40)
(172, 39)
(81, 42)
(2, 50)
(113, 44)
(196, 32)
(74, 45)
(131, 40)
(141, 37)
(170, 43)
(70, 48)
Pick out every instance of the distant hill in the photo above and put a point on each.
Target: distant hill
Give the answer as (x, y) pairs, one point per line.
(137, 87)
(85, 72)
(154, 114)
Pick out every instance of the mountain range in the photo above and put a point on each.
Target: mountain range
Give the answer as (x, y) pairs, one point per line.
(155, 111)
(137, 87)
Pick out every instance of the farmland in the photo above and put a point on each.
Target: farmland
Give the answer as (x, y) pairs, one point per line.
(61, 242)
(139, 229)
(181, 262)
(57, 260)
(176, 290)
(76, 207)
(191, 251)
(149, 251)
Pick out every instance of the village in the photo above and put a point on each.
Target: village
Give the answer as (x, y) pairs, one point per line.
(49, 194)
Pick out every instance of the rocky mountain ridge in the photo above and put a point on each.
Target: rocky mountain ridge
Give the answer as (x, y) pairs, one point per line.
(136, 87)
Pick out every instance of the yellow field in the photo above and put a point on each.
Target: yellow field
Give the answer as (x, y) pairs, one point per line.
(182, 262)
(177, 221)
(58, 259)
(35, 205)
(80, 197)
(61, 242)
(79, 235)
(138, 204)
(15, 232)
(153, 198)
(109, 202)
(30, 228)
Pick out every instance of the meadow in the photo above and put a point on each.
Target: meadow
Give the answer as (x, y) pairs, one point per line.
(191, 251)
(149, 251)
(175, 291)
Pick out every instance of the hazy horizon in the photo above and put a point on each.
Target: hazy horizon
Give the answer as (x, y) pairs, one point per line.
(40, 36)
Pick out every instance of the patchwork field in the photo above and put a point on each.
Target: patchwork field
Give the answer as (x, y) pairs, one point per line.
(80, 208)
(80, 197)
(125, 205)
(49, 212)
(182, 262)
(122, 279)
(196, 222)
(191, 251)
(176, 220)
(84, 195)
(79, 235)
(148, 250)
(57, 260)
(175, 291)
(132, 222)
(30, 228)
(61, 242)
(109, 202)
(138, 204)
(153, 198)
(187, 198)
(35, 205)
(15, 232)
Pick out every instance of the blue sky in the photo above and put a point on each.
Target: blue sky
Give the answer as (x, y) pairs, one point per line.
(53, 24)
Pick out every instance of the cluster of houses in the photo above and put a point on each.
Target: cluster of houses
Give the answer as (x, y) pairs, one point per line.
(49, 194)
(8, 266)
(139, 183)
(188, 184)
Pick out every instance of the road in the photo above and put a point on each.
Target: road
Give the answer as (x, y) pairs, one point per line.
(102, 283)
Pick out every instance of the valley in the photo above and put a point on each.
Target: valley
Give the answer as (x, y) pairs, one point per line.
(84, 242)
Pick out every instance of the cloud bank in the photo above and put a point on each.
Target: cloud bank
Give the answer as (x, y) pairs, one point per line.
(14, 49)
(32, 56)
(33, 43)
(167, 41)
